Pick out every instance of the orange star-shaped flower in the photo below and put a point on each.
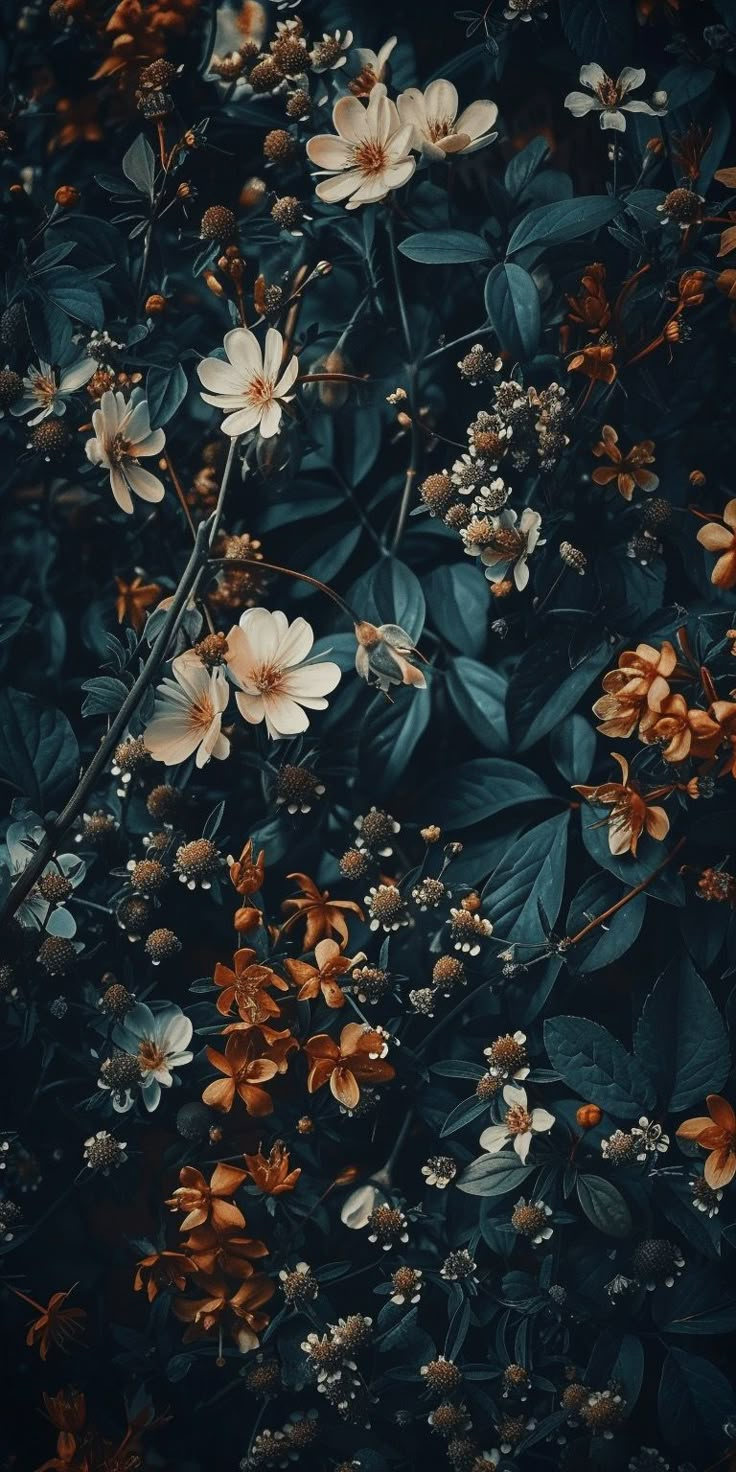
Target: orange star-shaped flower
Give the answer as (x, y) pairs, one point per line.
(322, 914)
(722, 538)
(717, 1134)
(133, 599)
(631, 812)
(358, 1058)
(246, 986)
(211, 1202)
(271, 1173)
(244, 1073)
(312, 980)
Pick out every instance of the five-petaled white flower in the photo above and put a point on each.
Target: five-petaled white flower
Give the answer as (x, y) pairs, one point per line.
(610, 98)
(520, 1124)
(46, 389)
(160, 1041)
(437, 131)
(371, 155)
(187, 714)
(122, 436)
(251, 387)
(513, 542)
(266, 659)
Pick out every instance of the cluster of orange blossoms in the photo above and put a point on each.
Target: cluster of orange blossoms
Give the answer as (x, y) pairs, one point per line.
(216, 1256)
(638, 699)
(600, 361)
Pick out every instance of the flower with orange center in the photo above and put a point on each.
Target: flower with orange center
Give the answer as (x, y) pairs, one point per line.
(520, 1124)
(722, 539)
(631, 812)
(591, 308)
(271, 1173)
(220, 1310)
(163, 1270)
(356, 1059)
(244, 1072)
(55, 1323)
(596, 362)
(640, 681)
(323, 977)
(133, 599)
(717, 1134)
(680, 731)
(208, 1203)
(724, 712)
(323, 915)
(626, 469)
(247, 873)
(246, 986)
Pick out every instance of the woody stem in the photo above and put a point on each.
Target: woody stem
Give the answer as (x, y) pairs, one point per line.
(574, 940)
(288, 572)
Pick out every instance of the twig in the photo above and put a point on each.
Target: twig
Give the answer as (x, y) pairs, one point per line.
(631, 894)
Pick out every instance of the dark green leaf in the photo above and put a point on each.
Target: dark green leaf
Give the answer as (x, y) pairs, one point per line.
(139, 165)
(494, 1175)
(478, 789)
(681, 1038)
(457, 599)
(600, 30)
(166, 389)
(390, 593)
(694, 1401)
(445, 248)
(593, 1063)
(568, 220)
(478, 694)
(610, 940)
(544, 688)
(523, 895)
(604, 1205)
(512, 304)
(39, 756)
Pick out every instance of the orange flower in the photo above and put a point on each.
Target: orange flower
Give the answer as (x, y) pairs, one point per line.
(625, 469)
(271, 1173)
(219, 1309)
(717, 538)
(724, 712)
(162, 1270)
(246, 987)
(322, 914)
(358, 1059)
(246, 873)
(67, 1412)
(229, 1254)
(596, 362)
(247, 918)
(133, 599)
(681, 732)
(244, 1072)
(591, 309)
(55, 1323)
(717, 1134)
(312, 980)
(79, 122)
(209, 1203)
(631, 813)
(640, 680)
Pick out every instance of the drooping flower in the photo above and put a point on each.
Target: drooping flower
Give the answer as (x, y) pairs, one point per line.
(519, 1124)
(268, 659)
(160, 1041)
(358, 1058)
(715, 1133)
(611, 98)
(370, 155)
(514, 540)
(251, 387)
(384, 656)
(437, 131)
(220, 1307)
(46, 389)
(133, 599)
(722, 539)
(631, 811)
(187, 714)
(56, 1324)
(626, 470)
(122, 437)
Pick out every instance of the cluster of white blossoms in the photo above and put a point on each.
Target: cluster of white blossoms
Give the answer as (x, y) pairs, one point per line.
(267, 660)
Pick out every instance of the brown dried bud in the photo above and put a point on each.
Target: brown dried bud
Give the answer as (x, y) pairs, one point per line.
(218, 223)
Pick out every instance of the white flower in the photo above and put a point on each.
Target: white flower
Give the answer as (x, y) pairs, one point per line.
(370, 156)
(252, 385)
(36, 913)
(329, 54)
(122, 435)
(187, 714)
(513, 543)
(372, 67)
(519, 1125)
(650, 1138)
(45, 390)
(496, 1069)
(357, 1207)
(609, 97)
(436, 128)
(160, 1041)
(265, 657)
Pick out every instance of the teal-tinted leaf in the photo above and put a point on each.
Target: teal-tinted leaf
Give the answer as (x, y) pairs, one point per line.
(700, 1302)
(390, 593)
(139, 165)
(525, 164)
(325, 558)
(457, 598)
(604, 1205)
(389, 735)
(572, 745)
(592, 1062)
(568, 220)
(494, 1175)
(523, 895)
(667, 886)
(445, 248)
(512, 304)
(610, 940)
(617, 1358)
(642, 204)
(602, 29)
(73, 292)
(478, 694)
(478, 789)
(39, 756)
(105, 695)
(694, 1400)
(166, 389)
(544, 689)
(462, 1114)
(13, 614)
(681, 1038)
(686, 82)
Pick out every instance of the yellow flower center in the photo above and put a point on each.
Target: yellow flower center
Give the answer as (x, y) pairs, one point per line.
(518, 1120)
(267, 678)
(260, 391)
(202, 713)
